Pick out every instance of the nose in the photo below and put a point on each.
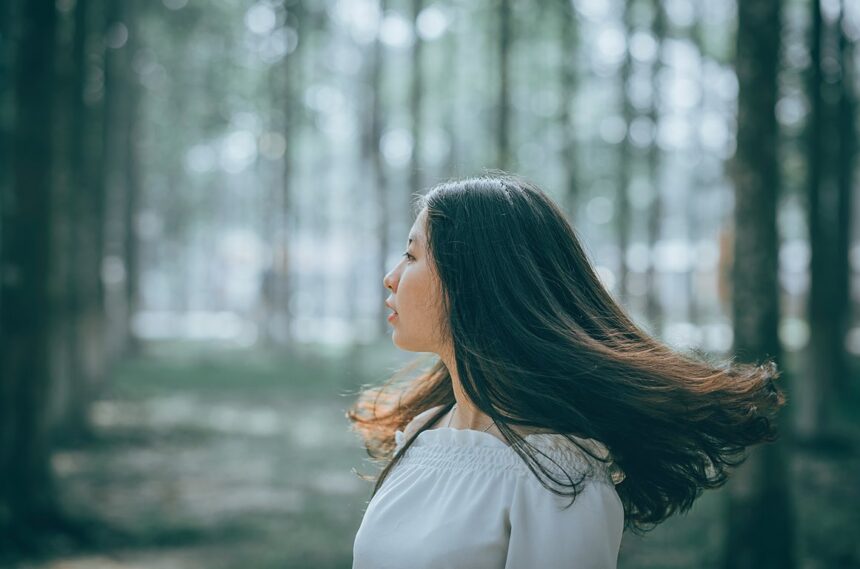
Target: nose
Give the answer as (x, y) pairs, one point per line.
(389, 281)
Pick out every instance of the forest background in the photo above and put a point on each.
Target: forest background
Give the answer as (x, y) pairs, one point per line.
(199, 200)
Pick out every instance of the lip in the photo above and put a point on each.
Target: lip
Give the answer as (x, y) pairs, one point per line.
(392, 317)
(391, 306)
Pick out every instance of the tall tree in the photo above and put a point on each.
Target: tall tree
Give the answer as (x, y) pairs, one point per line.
(132, 174)
(64, 175)
(695, 223)
(119, 116)
(452, 80)
(830, 138)
(625, 158)
(655, 165)
(373, 156)
(27, 493)
(569, 42)
(7, 54)
(86, 293)
(760, 520)
(292, 108)
(416, 106)
(847, 164)
(503, 108)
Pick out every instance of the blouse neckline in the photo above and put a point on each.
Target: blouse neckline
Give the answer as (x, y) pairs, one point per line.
(467, 436)
(453, 437)
(467, 449)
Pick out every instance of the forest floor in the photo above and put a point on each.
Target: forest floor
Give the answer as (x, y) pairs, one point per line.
(224, 459)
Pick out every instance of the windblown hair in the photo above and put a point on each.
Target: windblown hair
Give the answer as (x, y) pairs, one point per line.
(539, 343)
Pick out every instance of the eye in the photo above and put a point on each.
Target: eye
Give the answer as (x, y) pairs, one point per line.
(408, 256)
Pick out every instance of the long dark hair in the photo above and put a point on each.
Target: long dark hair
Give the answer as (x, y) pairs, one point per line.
(539, 343)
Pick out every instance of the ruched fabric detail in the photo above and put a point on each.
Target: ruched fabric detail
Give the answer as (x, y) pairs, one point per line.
(470, 450)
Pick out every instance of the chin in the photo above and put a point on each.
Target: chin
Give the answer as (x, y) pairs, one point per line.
(404, 343)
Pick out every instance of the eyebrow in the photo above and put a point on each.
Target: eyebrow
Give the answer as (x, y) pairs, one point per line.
(413, 237)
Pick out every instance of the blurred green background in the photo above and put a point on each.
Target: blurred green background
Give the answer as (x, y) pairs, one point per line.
(200, 200)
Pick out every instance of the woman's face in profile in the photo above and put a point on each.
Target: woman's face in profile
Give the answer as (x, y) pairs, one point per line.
(415, 294)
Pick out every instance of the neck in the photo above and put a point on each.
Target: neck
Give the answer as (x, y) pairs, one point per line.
(466, 415)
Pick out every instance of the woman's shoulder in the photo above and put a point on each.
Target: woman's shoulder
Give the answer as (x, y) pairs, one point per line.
(420, 420)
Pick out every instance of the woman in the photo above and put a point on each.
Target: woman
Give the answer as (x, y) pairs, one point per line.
(543, 389)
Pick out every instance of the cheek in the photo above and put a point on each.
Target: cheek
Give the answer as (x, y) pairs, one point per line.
(417, 294)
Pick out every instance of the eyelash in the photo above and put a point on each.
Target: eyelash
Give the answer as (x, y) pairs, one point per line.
(408, 256)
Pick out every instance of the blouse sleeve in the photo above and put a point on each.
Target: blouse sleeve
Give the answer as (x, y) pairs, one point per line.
(587, 535)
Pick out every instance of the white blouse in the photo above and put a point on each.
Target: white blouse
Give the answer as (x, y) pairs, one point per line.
(462, 498)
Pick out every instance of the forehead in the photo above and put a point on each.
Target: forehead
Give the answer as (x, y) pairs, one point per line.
(416, 233)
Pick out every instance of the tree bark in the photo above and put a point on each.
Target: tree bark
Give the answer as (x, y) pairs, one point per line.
(829, 136)
(653, 309)
(27, 493)
(64, 193)
(624, 168)
(131, 243)
(86, 292)
(503, 157)
(374, 156)
(847, 122)
(416, 103)
(760, 516)
(118, 114)
(568, 86)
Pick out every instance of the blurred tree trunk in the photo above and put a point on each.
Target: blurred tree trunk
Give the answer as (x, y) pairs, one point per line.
(569, 23)
(372, 155)
(625, 166)
(847, 164)
(178, 232)
(27, 493)
(817, 388)
(453, 164)
(64, 175)
(87, 308)
(503, 135)
(131, 242)
(760, 517)
(830, 140)
(117, 123)
(827, 302)
(653, 310)
(416, 104)
(695, 220)
(7, 55)
(292, 130)
(9, 39)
